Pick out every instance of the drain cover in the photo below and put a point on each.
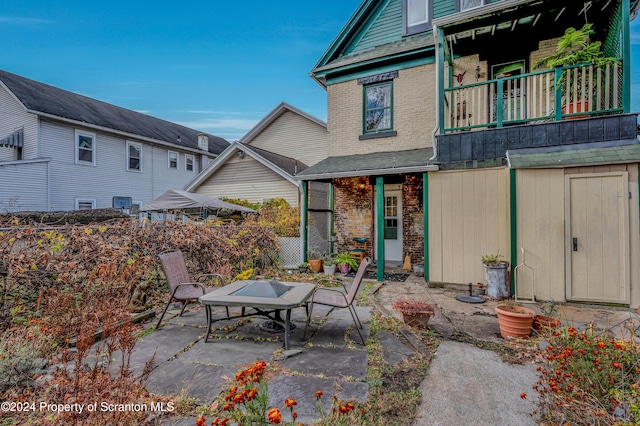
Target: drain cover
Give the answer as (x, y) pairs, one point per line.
(470, 299)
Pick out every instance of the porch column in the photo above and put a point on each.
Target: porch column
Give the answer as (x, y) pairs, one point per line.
(304, 214)
(425, 222)
(440, 82)
(380, 226)
(514, 224)
(331, 218)
(626, 58)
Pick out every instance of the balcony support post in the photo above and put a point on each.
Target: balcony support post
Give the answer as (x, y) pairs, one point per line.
(557, 98)
(499, 101)
(440, 77)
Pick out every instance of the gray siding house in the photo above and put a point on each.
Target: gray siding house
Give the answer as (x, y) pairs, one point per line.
(64, 151)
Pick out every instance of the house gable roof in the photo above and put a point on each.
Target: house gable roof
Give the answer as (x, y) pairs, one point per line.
(46, 100)
(284, 166)
(372, 38)
(273, 116)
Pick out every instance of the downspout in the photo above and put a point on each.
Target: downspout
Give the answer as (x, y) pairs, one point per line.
(439, 37)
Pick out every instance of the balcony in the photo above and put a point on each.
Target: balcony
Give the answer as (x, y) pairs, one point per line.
(551, 95)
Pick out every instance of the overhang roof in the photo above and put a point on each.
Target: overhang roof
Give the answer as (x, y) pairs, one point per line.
(373, 164)
(286, 167)
(50, 101)
(616, 152)
(178, 200)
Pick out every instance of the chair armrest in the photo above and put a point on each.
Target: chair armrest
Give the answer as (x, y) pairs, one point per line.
(191, 284)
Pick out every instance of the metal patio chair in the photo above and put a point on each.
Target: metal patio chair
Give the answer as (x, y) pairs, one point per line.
(339, 299)
(183, 288)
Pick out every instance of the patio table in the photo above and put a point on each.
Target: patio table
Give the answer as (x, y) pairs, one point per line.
(267, 298)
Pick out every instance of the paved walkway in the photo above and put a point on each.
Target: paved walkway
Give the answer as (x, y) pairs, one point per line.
(464, 385)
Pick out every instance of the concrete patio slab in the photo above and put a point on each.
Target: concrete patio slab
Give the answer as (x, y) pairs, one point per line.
(200, 381)
(232, 353)
(329, 362)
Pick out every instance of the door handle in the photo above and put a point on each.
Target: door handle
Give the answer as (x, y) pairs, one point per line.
(575, 244)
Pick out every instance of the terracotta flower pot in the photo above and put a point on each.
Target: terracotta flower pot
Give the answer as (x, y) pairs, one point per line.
(315, 265)
(543, 322)
(418, 319)
(515, 321)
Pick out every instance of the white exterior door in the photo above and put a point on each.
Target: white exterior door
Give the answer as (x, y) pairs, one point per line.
(392, 225)
(597, 237)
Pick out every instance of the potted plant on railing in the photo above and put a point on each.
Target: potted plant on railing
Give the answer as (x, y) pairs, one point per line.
(496, 276)
(576, 48)
(415, 313)
(514, 320)
(346, 262)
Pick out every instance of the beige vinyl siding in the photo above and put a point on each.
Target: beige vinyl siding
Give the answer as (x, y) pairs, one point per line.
(540, 197)
(247, 179)
(294, 136)
(12, 117)
(468, 217)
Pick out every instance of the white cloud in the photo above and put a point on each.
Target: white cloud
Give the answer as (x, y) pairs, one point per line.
(22, 21)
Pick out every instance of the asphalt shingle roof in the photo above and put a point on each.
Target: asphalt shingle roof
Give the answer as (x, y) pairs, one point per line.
(46, 99)
(382, 162)
(574, 155)
(288, 164)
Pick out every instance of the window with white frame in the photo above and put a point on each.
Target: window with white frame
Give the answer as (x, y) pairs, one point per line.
(134, 156)
(189, 161)
(85, 204)
(416, 16)
(173, 160)
(462, 5)
(85, 147)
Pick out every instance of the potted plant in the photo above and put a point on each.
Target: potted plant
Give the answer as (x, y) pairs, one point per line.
(304, 267)
(514, 320)
(496, 276)
(329, 265)
(315, 260)
(546, 321)
(345, 262)
(415, 313)
(576, 48)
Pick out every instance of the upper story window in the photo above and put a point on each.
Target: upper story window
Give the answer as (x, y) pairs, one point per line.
(462, 5)
(378, 108)
(85, 147)
(416, 16)
(134, 151)
(173, 160)
(188, 163)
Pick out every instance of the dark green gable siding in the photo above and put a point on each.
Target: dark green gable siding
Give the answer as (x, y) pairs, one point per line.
(385, 26)
(443, 7)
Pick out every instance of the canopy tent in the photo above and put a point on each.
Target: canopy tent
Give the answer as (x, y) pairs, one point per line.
(181, 200)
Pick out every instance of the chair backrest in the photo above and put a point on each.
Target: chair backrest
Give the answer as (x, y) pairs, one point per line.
(358, 279)
(174, 268)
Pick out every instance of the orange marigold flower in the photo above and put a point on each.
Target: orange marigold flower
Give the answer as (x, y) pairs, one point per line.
(215, 421)
(290, 402)
(224, 421)
(601, 345)
(617, 365)
(523, 395)
(238, 399)
(251, 395)
(274, 416)
(200, 421)
(233, 390)
(319, 394)
(227, 407)
(294, 415)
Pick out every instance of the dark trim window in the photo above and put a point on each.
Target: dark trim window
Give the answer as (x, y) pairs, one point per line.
(378, 107)
(134, 151)
(416, 16)
(462, 5)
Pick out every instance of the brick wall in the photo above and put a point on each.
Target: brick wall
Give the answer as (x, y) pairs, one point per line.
(354, 215)
(414, 114)
(545, 48)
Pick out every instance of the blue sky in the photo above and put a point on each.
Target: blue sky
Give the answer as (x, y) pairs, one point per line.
(218, 67)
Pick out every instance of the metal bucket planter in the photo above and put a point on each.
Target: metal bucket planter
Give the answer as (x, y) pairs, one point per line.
(497, 277)
(514, 321)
